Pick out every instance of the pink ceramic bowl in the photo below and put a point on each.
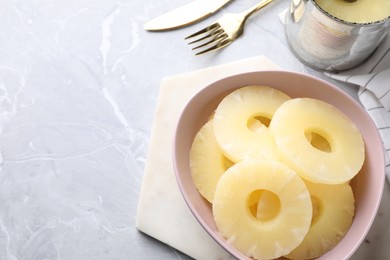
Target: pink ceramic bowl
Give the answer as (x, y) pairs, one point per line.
(367, 185)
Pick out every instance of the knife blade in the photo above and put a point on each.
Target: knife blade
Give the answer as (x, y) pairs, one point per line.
(185, 15)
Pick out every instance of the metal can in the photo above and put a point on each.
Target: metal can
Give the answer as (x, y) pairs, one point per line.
(325, 42)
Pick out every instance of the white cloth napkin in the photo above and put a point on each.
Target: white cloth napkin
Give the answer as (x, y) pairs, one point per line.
(373, 79)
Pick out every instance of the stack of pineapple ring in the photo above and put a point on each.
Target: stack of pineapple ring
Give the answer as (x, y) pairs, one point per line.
(276, 170)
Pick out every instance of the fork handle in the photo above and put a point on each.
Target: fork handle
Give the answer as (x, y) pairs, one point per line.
(255, 8)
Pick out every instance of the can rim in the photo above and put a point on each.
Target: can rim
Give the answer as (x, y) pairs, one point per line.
(367, 24)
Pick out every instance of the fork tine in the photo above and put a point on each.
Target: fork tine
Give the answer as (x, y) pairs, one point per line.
(216, 40)
(215, 47)
(200, 39)
(208, 28)
(213, 34)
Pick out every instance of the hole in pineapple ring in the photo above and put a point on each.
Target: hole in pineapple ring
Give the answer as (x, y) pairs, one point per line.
(318, 141)
(317, 209)
(263, 204)
(257, 122)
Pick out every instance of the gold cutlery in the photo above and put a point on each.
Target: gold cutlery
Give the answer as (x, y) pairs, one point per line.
(185, 15)
(224, 31)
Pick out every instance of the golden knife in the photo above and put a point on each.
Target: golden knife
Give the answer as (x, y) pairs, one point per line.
(185, 15)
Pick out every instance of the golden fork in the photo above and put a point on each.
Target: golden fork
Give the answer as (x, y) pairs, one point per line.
(224, 31)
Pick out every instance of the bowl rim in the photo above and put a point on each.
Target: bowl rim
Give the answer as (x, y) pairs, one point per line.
(230, 249)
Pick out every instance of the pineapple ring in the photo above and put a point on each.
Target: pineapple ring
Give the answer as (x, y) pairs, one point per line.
(238, 122)
(300, 117)
(207, 162)
(333, 211)
(279, 232)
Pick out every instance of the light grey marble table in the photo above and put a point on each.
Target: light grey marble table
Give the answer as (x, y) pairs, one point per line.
(79, 81)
